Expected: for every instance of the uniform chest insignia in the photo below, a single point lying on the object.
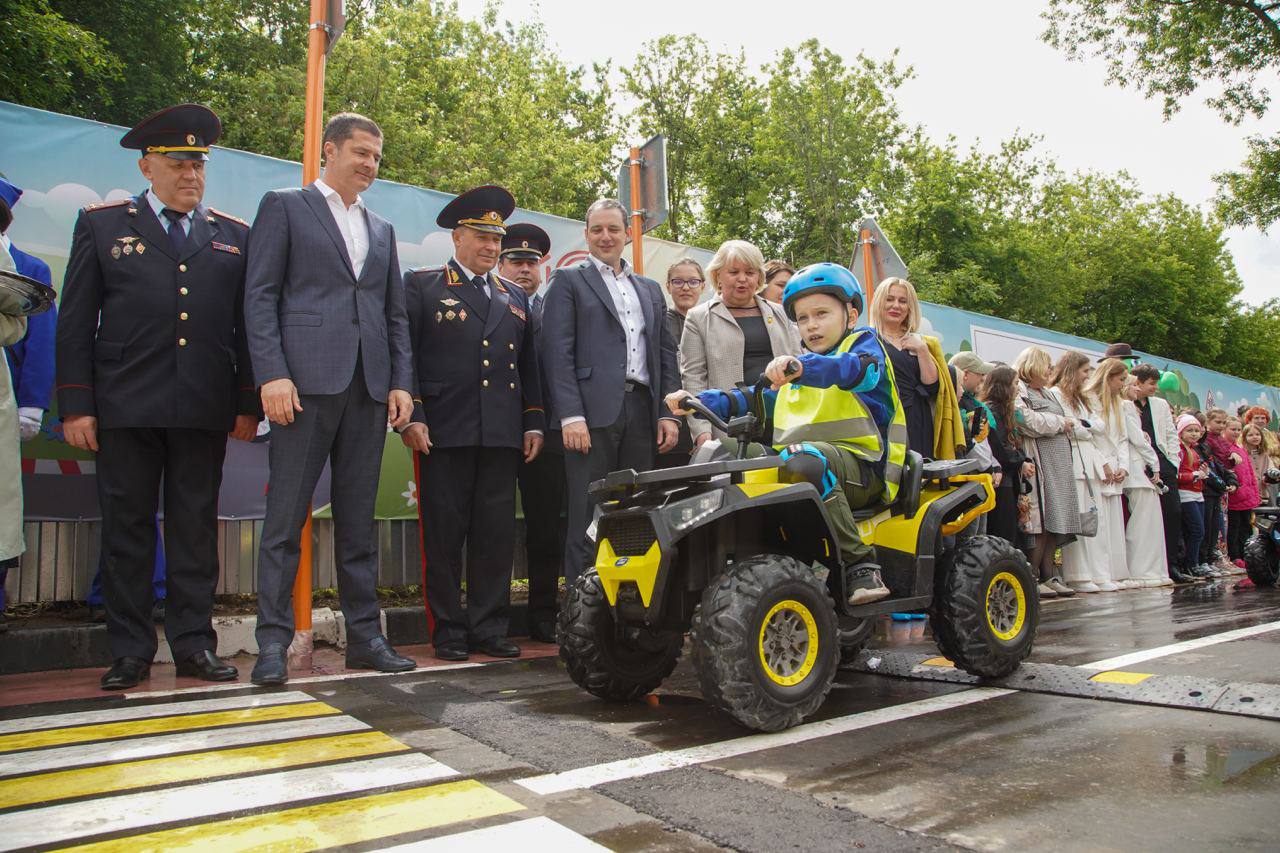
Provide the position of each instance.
(115, 252)
(449, 315)
(448, 303)
(128, 248)
(462, 315)
(223, 247)
(126, 239)
(142, 247)
(519, 312)
(439, 316)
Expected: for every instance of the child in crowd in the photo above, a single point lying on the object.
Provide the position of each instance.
(1244, 500)
(1216, 452)
(1254, 442)
(1192, 472)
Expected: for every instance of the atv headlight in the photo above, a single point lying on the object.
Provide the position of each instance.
(687, 513)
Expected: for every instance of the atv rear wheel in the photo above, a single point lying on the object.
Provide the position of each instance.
(765, 642)
(985, 609)
(616, 663)
(1261, 561)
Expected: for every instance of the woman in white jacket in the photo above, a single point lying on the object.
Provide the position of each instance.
(1103, 395)
(1087, 561)
(1144, 534)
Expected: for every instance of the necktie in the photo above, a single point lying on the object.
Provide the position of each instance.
(177, 236)
(478, 281)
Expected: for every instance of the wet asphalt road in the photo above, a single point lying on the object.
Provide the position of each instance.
(998, 771)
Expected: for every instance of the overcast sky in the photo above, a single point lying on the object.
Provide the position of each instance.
(982, 73)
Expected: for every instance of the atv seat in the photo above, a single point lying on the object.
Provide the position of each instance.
(908, 500)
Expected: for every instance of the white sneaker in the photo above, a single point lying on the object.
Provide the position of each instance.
(1152, 583)
(1046, 591)
(1128, 583)
(1085, 586)
(1108, 586)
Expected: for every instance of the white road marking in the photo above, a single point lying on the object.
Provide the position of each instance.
(144, 712)
(630, 768)
(1122, 661)
(658, 762)
(76, 755)
(535, 835)
(62, 823)
(311, 679)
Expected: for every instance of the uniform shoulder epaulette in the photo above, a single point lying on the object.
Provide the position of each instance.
(225, 215)
(437, 268)
(103, 205)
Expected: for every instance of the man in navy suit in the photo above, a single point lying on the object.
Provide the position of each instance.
(327, 328)
(610, 360)
(479, 413)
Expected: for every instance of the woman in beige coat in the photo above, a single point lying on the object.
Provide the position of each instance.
(733, 336)
(12, 328)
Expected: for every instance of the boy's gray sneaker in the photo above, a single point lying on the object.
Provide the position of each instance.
(862, 582)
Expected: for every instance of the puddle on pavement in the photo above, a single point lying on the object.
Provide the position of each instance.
(1233, 766)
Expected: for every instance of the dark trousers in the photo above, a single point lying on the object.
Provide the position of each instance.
(629, 442)
(349, 430)
(157, 578)
(131, 466)
(467, 497)
(542, 498)
(1212, 527)
(1192, 532)
(1171, 511)
(1239, 529)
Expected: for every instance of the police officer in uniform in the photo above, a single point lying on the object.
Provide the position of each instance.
(477, 412)
(541, 480)
(152, 374)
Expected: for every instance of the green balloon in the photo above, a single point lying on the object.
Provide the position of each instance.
(1169, 382)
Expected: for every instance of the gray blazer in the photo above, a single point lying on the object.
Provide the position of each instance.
(584, 346)
(712, 345)
(307, 316)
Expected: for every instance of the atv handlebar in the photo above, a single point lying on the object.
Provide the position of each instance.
(744, 427)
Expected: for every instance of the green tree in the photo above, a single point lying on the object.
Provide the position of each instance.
(48, 59)
(1170, 49)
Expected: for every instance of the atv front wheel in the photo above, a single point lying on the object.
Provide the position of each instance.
(854, 640)
(1261, 561)
(765, 642)
(985, 608)
(616, 663)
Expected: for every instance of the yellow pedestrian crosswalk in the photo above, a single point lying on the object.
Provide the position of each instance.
(280, 772)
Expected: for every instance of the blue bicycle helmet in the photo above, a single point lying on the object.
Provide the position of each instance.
(822, 278)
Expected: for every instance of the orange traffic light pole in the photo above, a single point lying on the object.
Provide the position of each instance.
(317, 44)
(637, 215)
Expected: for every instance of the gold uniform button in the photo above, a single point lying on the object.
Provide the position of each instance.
(513, 386)
(486, 343)
(182, 290)
(512, 365)
(182, 316)
(485, 383)
(182, 267)
(485, 362)
(511, 347)
(182, 342)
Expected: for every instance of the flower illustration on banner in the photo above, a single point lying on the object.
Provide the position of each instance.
(411, 494)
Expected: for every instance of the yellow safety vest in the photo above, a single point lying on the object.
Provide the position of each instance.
(802, 413)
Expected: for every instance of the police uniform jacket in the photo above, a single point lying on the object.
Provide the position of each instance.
(169, 350)
(476, 379)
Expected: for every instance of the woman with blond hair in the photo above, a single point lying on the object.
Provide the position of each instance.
(1104, 395)
(732, 337)
(930, 406)
(1045, 426)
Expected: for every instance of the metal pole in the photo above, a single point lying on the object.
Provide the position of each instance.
(637, 216)
(868, 279)
(317, 41)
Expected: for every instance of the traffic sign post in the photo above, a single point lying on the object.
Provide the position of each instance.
(642, 190)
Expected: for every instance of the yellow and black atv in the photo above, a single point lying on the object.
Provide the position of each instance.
(725, 549)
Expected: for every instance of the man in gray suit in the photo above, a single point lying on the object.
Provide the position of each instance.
(610, 360)
(325, 312)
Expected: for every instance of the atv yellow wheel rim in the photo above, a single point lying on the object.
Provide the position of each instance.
(788, 642)
(1006, 606)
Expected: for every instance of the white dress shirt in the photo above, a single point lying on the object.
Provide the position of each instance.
(471, 277)
(158, 206)
(625, 298)
(351, 223)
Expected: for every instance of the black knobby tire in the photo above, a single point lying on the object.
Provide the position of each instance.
(978, 573)
(1261, 561)
(854, 640)
(732, 649)
(616, 664)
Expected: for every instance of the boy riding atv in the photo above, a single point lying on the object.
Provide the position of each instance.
(838, 421)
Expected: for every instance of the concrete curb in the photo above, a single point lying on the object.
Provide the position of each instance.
(82, 646)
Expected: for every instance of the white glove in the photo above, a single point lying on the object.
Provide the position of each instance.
(29, 418)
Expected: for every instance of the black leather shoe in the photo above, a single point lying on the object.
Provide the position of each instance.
(207, 666)
(272, 666)
(452, 651)
(497, 647)
(543, 631)
(126, 673)
(378, 654)
(157, 612)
